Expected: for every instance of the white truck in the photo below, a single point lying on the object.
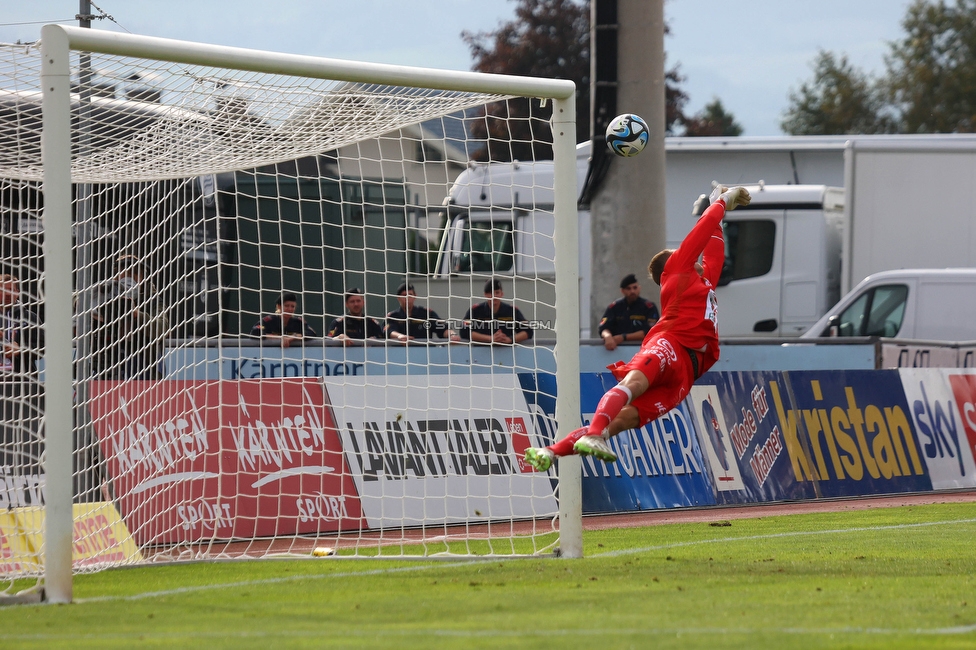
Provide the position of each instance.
(909, 199)
(906, 202)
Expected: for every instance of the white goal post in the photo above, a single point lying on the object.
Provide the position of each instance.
(65, 149)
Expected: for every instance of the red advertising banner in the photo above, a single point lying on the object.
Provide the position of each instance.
(520, 441)
(964, 389)
(198, 460)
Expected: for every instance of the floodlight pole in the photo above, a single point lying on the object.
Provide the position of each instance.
(56, 155)
(567, 320)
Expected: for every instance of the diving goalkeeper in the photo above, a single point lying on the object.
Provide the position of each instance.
(680, 347)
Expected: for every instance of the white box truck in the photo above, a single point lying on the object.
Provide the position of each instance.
(907, 202)
(782, 259)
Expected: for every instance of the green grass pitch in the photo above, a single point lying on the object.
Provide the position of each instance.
(884, 578)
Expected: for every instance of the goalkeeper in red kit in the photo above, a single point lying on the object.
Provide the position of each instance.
(675, 352)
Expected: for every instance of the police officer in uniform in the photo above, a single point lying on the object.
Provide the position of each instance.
(355, 325)
(283, 326)
(411, 321)
(495, 321)
(628, 318)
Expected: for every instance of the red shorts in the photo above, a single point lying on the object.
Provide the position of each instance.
(668, 370)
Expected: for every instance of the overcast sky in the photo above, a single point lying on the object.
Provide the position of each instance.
(749, 53)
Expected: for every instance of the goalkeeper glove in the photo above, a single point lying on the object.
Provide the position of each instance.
(717, 193)
(732, 198)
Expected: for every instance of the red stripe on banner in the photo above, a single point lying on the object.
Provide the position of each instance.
(964, 390)
(198, 460)
(520, 442)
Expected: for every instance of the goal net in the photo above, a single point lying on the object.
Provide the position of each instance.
(244, 227)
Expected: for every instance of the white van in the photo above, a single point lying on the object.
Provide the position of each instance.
(920, 304)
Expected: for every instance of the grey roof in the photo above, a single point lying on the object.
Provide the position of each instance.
(456, 129)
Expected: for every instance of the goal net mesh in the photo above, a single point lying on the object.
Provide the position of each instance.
(241, 386)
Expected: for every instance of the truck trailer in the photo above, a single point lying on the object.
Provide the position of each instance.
(827, 212)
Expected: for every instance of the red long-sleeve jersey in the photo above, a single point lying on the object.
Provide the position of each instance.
(688, 304)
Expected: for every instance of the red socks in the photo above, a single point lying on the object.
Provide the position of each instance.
(614, 400)
(564, 447)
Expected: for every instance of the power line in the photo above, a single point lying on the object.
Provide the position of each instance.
(41, 22)
(101, 16)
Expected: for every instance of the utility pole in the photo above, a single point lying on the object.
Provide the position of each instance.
(84, 13)
(628, 207)
(84, 437)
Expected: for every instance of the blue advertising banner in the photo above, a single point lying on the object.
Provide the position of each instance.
(851, 432)
(743, 438)
(803, 435)
(658, 466)
(539, 390)
(380, 358)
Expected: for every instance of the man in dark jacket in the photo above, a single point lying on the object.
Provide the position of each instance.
(495, 321)
(355, 325)
(411, 321)
(283, 325)
(628, 318)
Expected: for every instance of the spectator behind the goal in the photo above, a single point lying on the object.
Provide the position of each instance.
(411, 321)
(355, 326)
(22, 334)
(129, 328)
(21, 393)
(283, 327)
(628, 318)
(495, 321)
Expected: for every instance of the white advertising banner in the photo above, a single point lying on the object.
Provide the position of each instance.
(437, 449)
(719, 446)
(942, 405)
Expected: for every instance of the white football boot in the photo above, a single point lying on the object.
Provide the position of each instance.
(595, 446)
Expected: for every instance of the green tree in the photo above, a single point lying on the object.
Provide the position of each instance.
(712, 120)
(839, 100)
(932, 71)
(674, 98)
(547, 38)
